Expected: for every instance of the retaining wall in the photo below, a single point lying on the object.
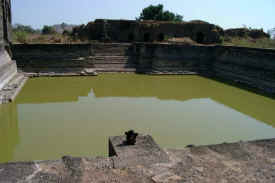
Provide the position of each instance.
(248, 66)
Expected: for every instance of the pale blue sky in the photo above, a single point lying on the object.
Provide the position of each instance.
(226, 13)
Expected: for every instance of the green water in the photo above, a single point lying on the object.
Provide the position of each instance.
(53, 117)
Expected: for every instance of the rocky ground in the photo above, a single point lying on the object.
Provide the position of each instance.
(237, 162)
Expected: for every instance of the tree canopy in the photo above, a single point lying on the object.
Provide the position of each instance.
(48, 30)
(23, 28)
(157, 13)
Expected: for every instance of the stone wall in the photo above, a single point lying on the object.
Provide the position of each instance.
(172, 58)
(7, 66)
(51, 56)
(73, 58)
(248, 66)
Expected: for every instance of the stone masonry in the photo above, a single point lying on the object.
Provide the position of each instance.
(250, 67)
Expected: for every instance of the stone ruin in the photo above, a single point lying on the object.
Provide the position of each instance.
(148, 31)
(245, 32)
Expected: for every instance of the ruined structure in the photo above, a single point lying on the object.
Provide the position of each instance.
(149, 31)
(245, 32)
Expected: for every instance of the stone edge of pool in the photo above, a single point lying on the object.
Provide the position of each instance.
(252, 161)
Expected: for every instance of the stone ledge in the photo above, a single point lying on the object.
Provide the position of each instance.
(241, 162)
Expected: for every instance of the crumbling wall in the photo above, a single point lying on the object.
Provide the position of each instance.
(149, 31)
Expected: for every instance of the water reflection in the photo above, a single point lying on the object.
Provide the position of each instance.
(180, 88)
(9, 133)
(75, 116)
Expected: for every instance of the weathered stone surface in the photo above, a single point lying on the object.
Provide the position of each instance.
(10, 90)
(145, 152)
(240, 162)
(16, 172)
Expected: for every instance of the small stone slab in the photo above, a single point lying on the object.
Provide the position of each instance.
(145, 152)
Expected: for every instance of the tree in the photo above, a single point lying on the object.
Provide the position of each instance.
(157, 13)
(23, 28)
(48, 30)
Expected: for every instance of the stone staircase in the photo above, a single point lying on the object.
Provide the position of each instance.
(12, 88)
(113, 58)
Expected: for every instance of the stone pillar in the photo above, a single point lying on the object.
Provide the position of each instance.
(7, 67)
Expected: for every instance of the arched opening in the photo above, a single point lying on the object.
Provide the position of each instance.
(200, 37)
(161, 37)
(131, 37)
(146, 37)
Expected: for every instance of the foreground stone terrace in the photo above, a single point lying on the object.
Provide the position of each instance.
(236, 162)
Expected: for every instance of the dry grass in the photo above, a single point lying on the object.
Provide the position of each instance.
(249, 42)
(43, 39)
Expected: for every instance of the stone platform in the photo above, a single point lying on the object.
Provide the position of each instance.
(252, 162)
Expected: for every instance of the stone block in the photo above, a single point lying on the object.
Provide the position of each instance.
(145, 152)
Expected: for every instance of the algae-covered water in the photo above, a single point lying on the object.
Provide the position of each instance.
(53, 117)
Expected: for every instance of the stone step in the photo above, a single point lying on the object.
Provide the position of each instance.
(16, 79)
(114, 65)
(111, 49)
(99, 70)
(111, 59)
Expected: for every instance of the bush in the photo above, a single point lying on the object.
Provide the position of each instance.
(20, 36)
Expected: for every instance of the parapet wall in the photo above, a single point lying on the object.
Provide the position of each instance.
(249, 66)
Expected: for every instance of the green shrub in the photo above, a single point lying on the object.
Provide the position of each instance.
(20, 36)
